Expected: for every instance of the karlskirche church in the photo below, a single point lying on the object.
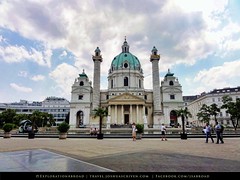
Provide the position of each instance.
(126, 99)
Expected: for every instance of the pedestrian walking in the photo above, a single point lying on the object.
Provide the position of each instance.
(221, 131)
(208, 133)
(163, 132)
(134, 131)
(218, 133)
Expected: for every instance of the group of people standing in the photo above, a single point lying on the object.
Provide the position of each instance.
(219, 132)
(207, 130)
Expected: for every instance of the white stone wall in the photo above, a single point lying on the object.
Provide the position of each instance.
(118, 79)
(73, 114)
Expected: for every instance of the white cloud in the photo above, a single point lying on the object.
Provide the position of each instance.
(64, 76)
(17, 54)
(2, 39)
(180, 28)
(64, 53)
(21, 88)
(183, 31)
(226, 75)
(38, 78)
(22, 73)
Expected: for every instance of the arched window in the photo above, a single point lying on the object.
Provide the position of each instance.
(126, 81)
(171, 83)
(80, 117)
(140, 83)
(173, 118)
(81, 83)
(125, 65)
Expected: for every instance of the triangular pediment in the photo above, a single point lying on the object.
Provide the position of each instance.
(126, 98)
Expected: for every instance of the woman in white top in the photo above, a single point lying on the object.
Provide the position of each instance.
(163, 131)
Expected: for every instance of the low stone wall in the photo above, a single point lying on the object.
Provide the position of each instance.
(49, 130)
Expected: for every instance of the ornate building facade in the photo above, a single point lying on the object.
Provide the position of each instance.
(126, 99)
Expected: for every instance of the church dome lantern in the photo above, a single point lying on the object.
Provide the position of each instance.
(125, 60)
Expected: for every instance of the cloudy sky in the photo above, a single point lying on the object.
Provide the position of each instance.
(45, 44)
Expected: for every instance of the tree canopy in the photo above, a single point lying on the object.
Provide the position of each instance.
(183, 113)
(232, 108)
(101, 113)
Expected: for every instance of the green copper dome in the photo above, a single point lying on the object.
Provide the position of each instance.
(125, 60)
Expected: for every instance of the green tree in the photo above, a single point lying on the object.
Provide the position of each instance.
(8, 115)
(214, 111)
(232, 108)
(206, 112)
(36, 118)
(183, 113)
(46, 118)
(41, 119)
(101, 113)
(63, 127)
(19, 117)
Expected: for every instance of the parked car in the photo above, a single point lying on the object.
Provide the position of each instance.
(25, 126)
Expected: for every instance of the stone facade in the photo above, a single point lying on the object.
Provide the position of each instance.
(126, 99)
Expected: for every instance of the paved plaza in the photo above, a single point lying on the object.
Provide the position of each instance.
(118, 155)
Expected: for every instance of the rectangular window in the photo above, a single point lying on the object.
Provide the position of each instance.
(172, 96)
(80, 97)
(221, 114)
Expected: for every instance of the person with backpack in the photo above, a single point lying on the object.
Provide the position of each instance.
(221, 131)
(218, 133)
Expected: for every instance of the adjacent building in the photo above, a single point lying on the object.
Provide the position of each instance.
(214, 96)
(58, 107)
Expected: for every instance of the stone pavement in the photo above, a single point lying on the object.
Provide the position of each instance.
(118, 155)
